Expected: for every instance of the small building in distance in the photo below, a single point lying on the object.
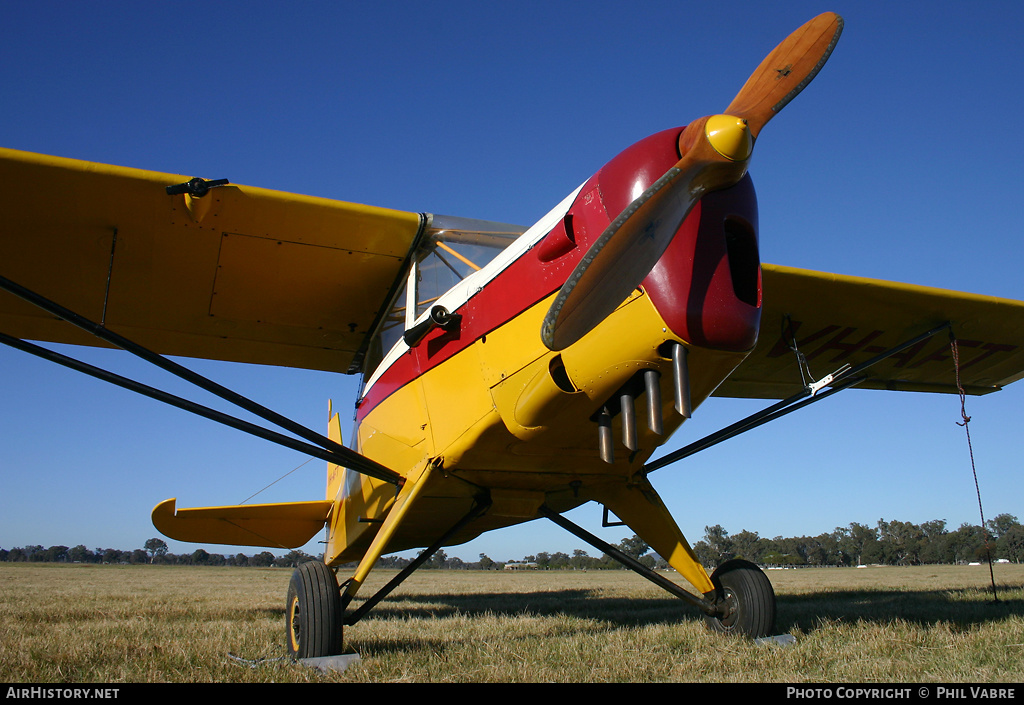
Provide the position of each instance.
(512, 565)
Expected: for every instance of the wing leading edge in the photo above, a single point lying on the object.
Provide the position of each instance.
(241, 274)
(832, 320)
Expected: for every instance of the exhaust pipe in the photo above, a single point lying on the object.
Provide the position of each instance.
(652, 387)
(628, 421)
(681, 373)
(605, 442)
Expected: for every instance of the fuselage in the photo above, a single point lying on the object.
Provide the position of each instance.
(500, 413)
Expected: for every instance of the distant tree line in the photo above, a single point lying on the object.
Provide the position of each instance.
(579, 560)
(155, 551)
(887, 543)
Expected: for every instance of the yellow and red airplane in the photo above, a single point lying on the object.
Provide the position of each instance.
(508, 373)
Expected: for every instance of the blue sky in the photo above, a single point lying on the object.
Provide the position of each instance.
(900, 161)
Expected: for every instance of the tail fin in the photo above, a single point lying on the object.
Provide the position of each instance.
(335, 473)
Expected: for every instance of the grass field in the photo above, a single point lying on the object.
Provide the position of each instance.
(108, 624)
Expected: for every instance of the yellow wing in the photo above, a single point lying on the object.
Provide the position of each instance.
(241, 274)
(836, 319)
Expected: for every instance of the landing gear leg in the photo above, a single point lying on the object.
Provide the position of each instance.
(745, 600)
(313, 613)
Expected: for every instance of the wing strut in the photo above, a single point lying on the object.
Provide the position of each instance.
(480, 506)
(324, 448)
(840, 380)
(579, 532)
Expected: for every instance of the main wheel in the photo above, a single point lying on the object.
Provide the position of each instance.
(313, 614)
(745, 599)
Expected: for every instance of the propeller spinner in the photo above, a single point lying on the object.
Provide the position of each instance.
(715, 153)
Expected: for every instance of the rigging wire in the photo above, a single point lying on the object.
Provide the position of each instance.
(275, 481)
(801, 359)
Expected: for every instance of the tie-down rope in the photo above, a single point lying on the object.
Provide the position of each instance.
(974, 470)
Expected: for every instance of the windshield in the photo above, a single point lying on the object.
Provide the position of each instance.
(453, 249)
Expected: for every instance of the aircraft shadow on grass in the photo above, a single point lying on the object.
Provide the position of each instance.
(804, 612)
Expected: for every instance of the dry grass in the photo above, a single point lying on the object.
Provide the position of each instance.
(109, 624)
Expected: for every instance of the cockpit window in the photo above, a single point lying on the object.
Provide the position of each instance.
(452, 254)
(452, 249)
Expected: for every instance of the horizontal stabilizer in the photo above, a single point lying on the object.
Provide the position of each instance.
(287, 525)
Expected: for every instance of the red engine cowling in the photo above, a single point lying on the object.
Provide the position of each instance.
(707, 285)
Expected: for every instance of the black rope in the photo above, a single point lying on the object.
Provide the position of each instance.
(970, 449)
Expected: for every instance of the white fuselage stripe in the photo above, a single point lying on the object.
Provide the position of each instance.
(462, 292)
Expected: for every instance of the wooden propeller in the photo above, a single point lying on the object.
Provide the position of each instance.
(715, 153)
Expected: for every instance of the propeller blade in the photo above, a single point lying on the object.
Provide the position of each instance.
(632, 244)
(715, 153)
(786, 71)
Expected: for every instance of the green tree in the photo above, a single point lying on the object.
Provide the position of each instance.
(438, 560)
(822, 549)
(111, 556)
(967, 543)
(794, 548)
(155, 547)
(634, 547)
(80, 554)
(1001, 525)
(934, 542)
(901, 541)
(706, 557)
(559, 560)
(720, 546)
(581, 560)
(293, 558)
(747, 545)
(56, 554)
(263, 559)
(1005, 532)
(860, 542)
(1011, 544)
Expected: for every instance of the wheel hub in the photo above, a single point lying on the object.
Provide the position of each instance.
(295, 632)
(728, 607)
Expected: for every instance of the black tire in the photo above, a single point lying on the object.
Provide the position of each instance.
(746, 600)
(313, 613)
